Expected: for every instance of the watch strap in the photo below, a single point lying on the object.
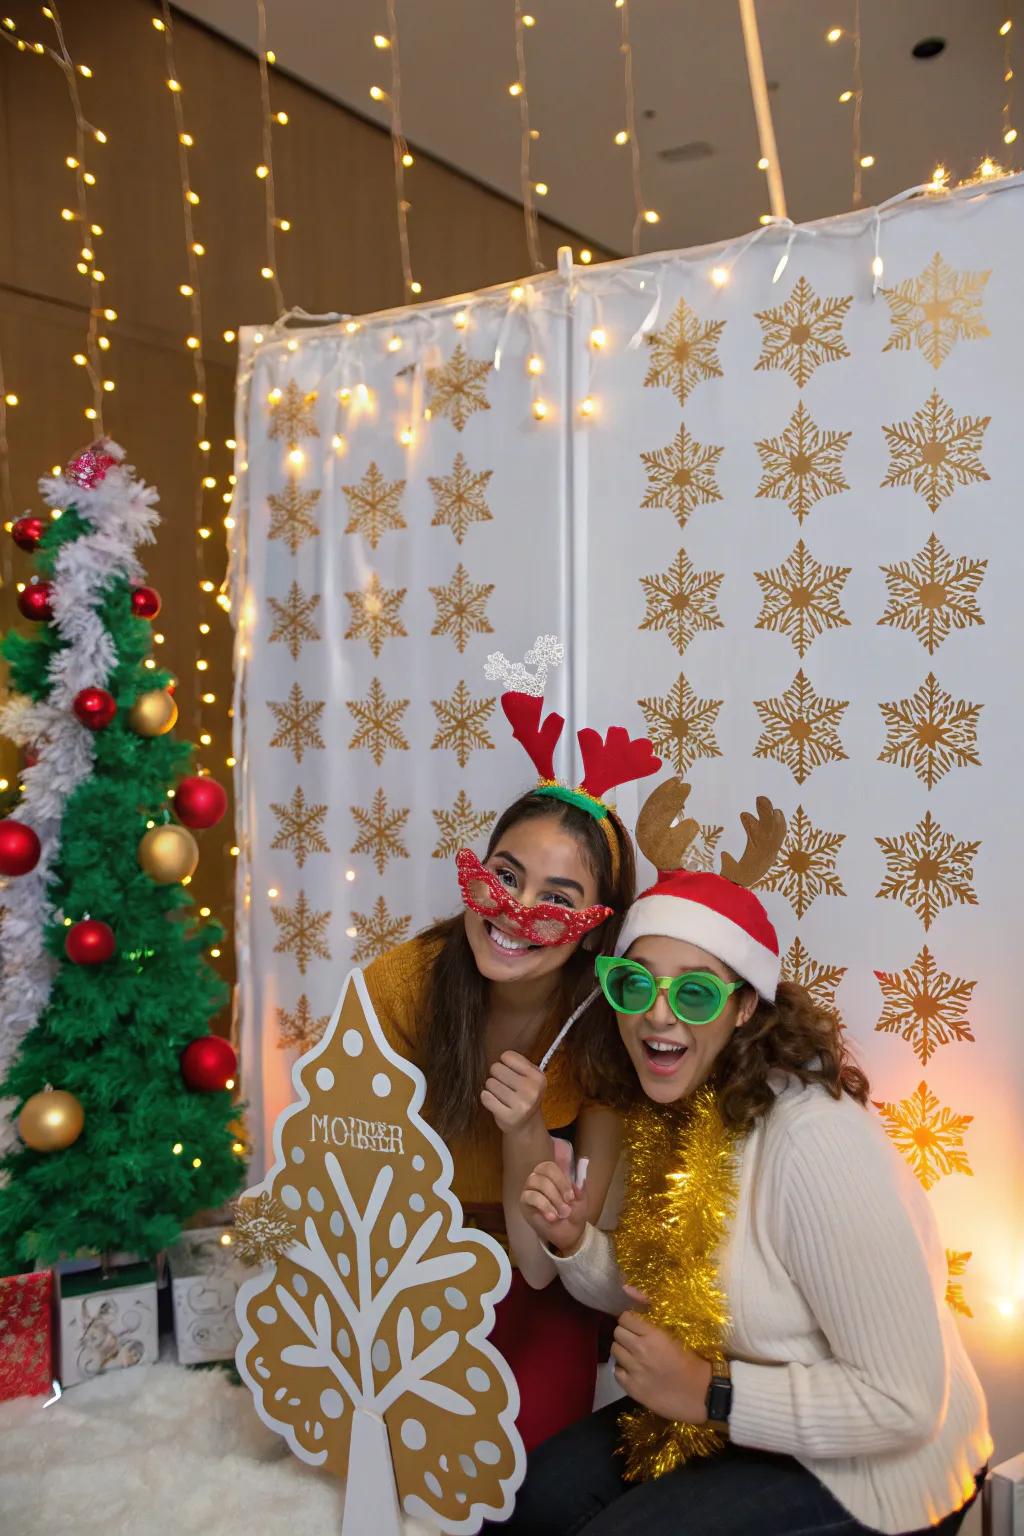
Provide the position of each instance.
(719, 1396)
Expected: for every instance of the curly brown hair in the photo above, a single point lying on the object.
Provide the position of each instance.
(793, 1035)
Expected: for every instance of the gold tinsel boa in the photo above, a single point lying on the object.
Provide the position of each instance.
(680, 1197)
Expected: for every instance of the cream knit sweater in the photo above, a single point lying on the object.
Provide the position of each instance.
(844, 1352)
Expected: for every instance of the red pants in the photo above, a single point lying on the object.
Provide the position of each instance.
(550, 1342)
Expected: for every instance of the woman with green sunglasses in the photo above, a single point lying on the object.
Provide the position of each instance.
(786, 1354)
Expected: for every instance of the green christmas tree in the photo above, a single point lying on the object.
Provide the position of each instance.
(110, 1032)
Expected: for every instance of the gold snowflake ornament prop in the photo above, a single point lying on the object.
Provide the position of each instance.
(806, 866)
(681, 476)
(681, 726)
(459, 499)
(300, 827)
(378, 723)
(801, 598)
(458, 390)
(462, 608)
(380, 831)
(803, 333)
(462, 724)
(930, 1136)
(299, 1029)
(933, 593)
(925, 1006)
(263, 1229)
(682, 601)
(685, 353)
(365, 1339)
(928, 870)
(377, 932)
(801, 728)
(293, 619)
(931, 732)
(301, 932)
(936, 310)
(936, 451)
(376, 613)
(803, 465)
(373, 505)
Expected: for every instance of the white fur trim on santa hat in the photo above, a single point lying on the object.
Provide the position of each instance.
(670, 917)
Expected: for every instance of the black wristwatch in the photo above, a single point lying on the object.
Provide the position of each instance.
(719, 1399)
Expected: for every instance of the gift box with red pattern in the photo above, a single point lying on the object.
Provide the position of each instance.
(26, 1335)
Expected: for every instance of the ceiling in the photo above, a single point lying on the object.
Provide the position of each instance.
(458, 59)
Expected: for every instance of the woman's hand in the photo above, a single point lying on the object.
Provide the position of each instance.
(513, 1092)
(554, 1206)
(659, 1372)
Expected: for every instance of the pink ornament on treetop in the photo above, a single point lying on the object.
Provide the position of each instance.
(90, 467)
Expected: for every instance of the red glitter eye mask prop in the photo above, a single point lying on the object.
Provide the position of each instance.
(547, 924)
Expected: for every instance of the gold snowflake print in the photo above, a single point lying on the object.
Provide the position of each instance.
(803, 333)
(377, 933)
(936, 451)
(378, 723)
(801, 598)
(381, 830)
(806, 866)
(298, 723)
(681, 476)
(928, 870)
(925, 1006)
(301, 932)
(462, 724)
(819, 981)
(682, 601)
(459, 498)
(936, 310)
(300, 1030)
(801, 728)
(458, 389)
(294, 619)
(681, 726)
(929, 1136)
(460, 827)
(700, 856)
(462, 608)
(291, 516)
(300, 828)
(373, 505)
(263, 1229)
(684, 353)
(933, 593)
(931, 732)
(804, 465)
(956, 1264)
(293, 414)
(376, 613)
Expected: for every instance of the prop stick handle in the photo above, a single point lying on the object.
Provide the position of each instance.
(762, 107)
(570, 1021)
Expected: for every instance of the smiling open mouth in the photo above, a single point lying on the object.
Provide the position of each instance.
(663, 1056)
(507, 944)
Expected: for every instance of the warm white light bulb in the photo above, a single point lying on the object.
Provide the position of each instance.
(719, 276)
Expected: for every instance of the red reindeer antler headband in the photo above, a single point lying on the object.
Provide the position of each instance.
(608, 761)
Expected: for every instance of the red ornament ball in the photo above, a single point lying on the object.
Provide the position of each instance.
(27, 532)
(200, 803)
(35, 601)
(145, 602)
(19, 848)
(31, 757)
(95, 708)
(209, 1064)
(90, 942)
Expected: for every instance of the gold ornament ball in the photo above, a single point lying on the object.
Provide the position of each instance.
(153, 713)
(168, 854)
(51, 1121)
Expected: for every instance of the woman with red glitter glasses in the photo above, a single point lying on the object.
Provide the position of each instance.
(476, 1000)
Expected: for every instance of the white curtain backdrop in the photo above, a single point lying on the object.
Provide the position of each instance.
(774, 514)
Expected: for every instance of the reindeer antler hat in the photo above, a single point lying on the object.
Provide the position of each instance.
(608, 761)
(718, 913)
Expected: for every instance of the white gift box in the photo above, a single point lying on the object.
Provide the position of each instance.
(205, 1276)
(106, 1322)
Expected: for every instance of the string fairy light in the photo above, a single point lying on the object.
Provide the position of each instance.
(641, 213)
(526, 182)
(265, 171)
(8, 401)
(400, 152)
(1006, 33)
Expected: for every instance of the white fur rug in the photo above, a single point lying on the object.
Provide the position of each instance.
(156, 1451)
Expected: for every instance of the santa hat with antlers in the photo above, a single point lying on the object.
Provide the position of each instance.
(608, 761)
(717, 913)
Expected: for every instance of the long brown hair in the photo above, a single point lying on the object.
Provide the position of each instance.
(457, 995)
(793, 1035)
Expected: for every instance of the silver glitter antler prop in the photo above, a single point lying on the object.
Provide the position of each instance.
(546, 652)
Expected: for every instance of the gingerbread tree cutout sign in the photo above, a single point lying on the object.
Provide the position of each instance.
(364, 1335)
